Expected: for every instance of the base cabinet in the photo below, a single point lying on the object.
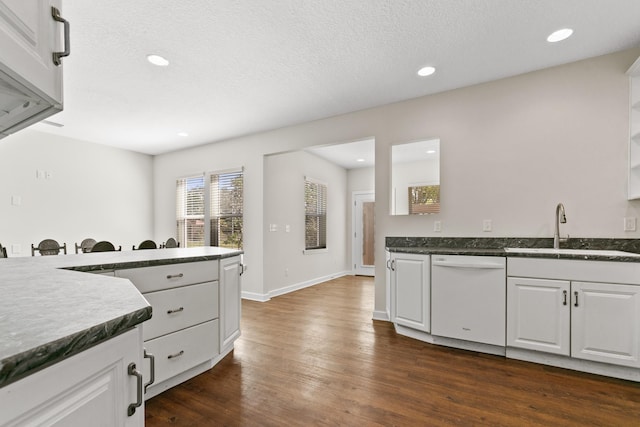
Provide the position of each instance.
(230, 302)
(410, 291)
(92, 388)
(196, 317)
(538, 315)
(605, 323)
(590, 321)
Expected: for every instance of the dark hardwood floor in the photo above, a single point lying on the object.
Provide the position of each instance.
(315, 358)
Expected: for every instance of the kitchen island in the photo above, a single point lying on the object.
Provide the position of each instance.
(52, 309)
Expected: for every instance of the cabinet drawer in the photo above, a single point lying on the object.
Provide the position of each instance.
(179, 308)
(182, 350)
(149, 279)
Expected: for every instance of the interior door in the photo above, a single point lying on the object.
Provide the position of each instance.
(363, 246)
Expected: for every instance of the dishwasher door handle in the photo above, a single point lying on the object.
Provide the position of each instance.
(453, 264)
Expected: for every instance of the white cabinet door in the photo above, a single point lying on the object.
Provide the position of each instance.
(538, 315)
(92, 388)
(230, 302)
(410, 291)
(605, 323)
(28, 37)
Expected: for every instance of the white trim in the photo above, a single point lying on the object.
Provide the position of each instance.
(381, 315)
(355, 253)
(306, 284)
(315, 251)
(253, 296)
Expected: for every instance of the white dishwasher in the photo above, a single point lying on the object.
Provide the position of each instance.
(468, 298)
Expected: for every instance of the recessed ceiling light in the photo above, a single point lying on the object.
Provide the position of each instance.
(426, 71)
(560, 35)
(360, 160)
(158, 60)
(183, 134)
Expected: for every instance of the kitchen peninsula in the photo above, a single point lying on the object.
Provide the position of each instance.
(53, 312)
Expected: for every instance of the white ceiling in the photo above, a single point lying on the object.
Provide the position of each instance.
(240, 67)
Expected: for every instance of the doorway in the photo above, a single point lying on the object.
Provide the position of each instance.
(363, 247)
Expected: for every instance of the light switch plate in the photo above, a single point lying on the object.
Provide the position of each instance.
(437, 226)
(630, 224)
(487, 225)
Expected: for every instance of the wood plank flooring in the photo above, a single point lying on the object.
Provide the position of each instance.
(315, 358)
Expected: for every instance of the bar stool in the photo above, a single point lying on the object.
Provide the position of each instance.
(85, 246)
(48, 247)
(147, 244)
(3, 252)
(105, 246)
(171, 243)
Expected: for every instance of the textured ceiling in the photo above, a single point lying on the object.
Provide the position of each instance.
(240, 67)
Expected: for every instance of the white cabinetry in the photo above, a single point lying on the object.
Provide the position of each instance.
(605, 323)
(634, 137)
(230, 300)
(183, 332)
(538, 314)
(196, 316)
(410, 291)
(90, 388)
(564, 314)
(30, 82)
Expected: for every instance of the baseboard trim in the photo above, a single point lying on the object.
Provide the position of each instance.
(306, 284)
(252, 296)
(381, 315)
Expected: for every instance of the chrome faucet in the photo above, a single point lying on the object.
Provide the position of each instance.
(560, 218)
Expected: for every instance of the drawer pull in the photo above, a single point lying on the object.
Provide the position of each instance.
(131, 370)
(175, 276)
(175, 310)
(173, 356)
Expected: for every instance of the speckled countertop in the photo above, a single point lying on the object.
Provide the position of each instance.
(51, 309)
(490, 246)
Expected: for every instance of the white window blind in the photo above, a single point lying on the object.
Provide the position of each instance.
(190, 211)
(315, 201)
(226, 191)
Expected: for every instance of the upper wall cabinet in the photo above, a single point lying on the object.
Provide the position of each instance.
(33, 38)
(634, 137)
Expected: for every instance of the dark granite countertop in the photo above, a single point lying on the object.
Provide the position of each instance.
(487, 246)
(51, 309)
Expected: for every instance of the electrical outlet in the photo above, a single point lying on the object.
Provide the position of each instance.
(273, 227)
(630, 224)
(437, 226)
(16, 200)
(486, 225)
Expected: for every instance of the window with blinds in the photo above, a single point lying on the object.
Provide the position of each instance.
(190, 211)
(209, 209)
(315, 220)
(226, 209)
(424, 199)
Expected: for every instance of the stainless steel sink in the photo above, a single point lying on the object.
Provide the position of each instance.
(579, 252)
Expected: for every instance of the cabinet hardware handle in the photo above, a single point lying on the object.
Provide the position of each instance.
(131, 370)
(241, 269)
(57, 56)
(152, 370)
(175, 276)
(576, 295)
(388, 264)
(393, 265)
(175, 310)
(564, 297)
(173, 356)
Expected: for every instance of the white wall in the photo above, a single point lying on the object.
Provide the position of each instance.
(285, 266)
(93, 191)
(510, 151)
